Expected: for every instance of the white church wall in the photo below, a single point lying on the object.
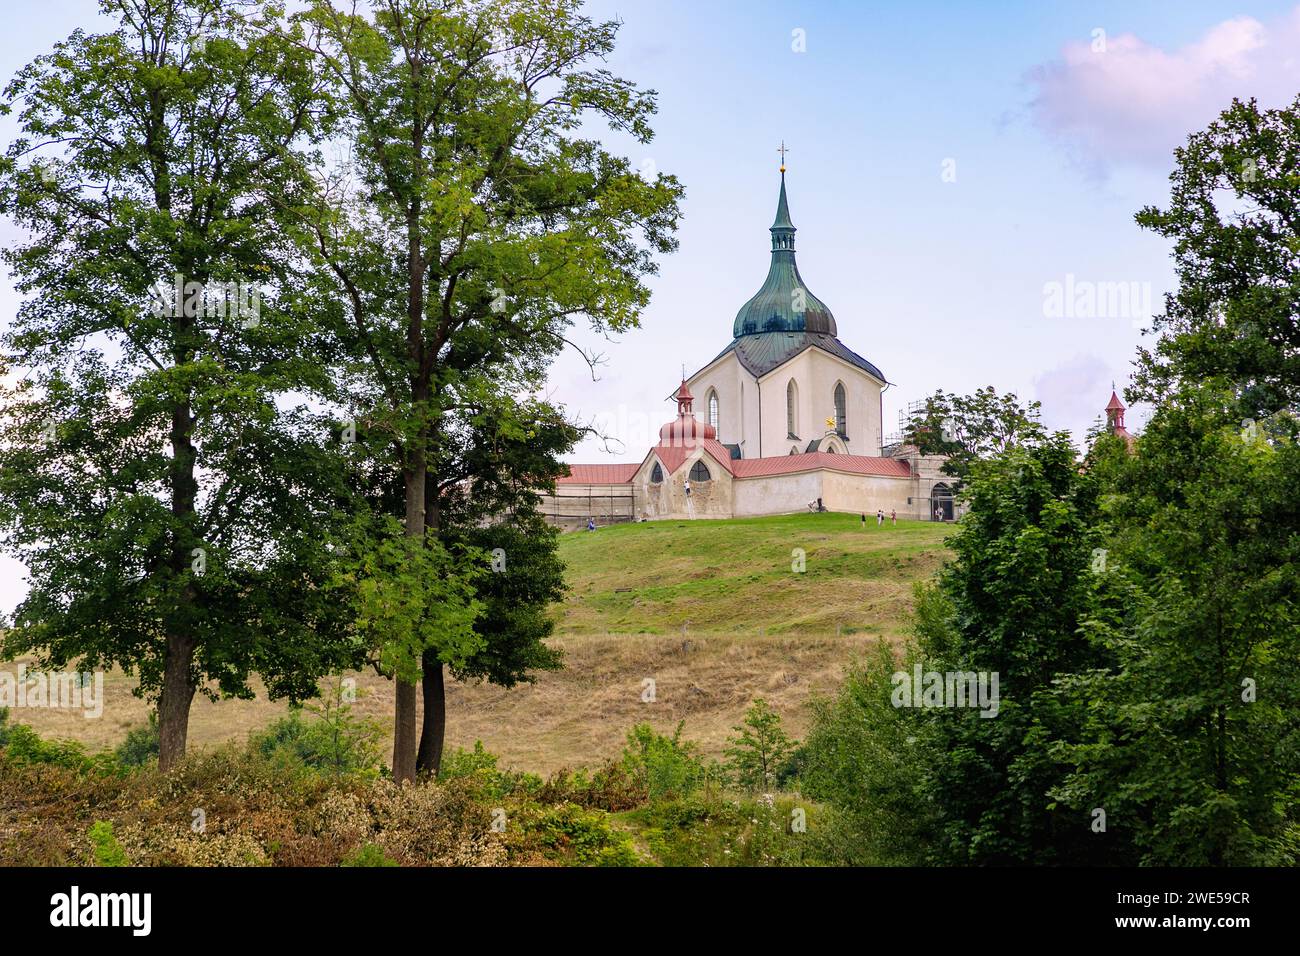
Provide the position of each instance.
(862, 400)
(733, 384)
(777, 494)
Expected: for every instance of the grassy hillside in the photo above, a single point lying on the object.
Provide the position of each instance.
(736, 577)
(753, 628)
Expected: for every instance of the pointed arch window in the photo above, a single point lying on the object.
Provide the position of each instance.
(792, 410)
(700, 472)
(841, 415)
(656, 474)
(712, 406)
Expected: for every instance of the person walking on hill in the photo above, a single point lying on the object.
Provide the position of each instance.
(893, 517)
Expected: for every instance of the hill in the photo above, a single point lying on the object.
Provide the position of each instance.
(711, 611)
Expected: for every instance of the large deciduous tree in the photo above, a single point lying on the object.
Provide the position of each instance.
(166, 497)
(1234, 218)
(471, 225)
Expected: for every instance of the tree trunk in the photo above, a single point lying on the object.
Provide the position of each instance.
(435, 716)
(404, 738)
(178, 661)
(174, 702)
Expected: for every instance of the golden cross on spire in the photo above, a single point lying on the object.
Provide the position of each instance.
(783, 150)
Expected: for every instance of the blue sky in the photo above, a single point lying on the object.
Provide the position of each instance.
(940, 284)
(1056, 144)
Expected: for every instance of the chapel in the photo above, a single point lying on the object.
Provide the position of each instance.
(785, 418)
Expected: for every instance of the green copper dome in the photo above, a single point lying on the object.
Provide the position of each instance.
(784, 303)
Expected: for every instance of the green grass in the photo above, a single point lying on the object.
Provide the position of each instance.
(736, 575)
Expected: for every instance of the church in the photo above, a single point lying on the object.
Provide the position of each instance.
(786, 418)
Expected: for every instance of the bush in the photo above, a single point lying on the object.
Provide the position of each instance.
(141, 744)
(368, 855)
(25, 747)
(757, 754)
(665, 767)
(107, 851)
(334, 741)
(576, 835)
(479, 768)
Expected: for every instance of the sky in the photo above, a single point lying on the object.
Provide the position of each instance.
(949, 163)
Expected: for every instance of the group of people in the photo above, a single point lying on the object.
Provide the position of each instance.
(880, 517)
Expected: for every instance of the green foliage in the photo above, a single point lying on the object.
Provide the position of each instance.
(368, 855)
(409, 595)
(479, 767)
(141, 744)
(665, 767)
(707, 830)
(334, 741)
(960, 787)
(106, 849)
(1189, 741)
(4, 726)
(161, 476)
(1232, 214)
(579, 836)
(968, 428)
(864, 758)
(760, 749)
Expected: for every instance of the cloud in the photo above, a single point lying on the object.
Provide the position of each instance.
(1074, 393)
(1132, 102)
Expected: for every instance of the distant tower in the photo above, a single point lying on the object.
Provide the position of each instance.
(1115, 419)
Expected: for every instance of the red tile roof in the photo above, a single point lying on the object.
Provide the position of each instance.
(789, 464)
(619, 474)
(674, 456)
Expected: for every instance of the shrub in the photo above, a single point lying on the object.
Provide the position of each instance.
(576, 835)
(107, 851)
(665, 767)
(368, 855)
(141, 744)
(479, 768)
(334, 741)
(762, 747)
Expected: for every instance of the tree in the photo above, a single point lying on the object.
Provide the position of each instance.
(1234, 218)
(491, 467)
(1190, 740)
(165, 494)
(759, 749)
(472, 226)
(967, 428)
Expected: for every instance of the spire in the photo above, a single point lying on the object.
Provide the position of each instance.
(783, 304)
(1114, 411)
(783, 229)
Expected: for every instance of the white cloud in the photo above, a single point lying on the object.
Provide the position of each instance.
(1134, 102)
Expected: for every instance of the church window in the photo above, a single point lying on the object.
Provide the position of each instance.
(841, 418)
(699, 472)
(656, 474)
(713, 409)
(791, 410)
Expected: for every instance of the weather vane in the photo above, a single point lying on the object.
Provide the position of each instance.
(783, 151)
